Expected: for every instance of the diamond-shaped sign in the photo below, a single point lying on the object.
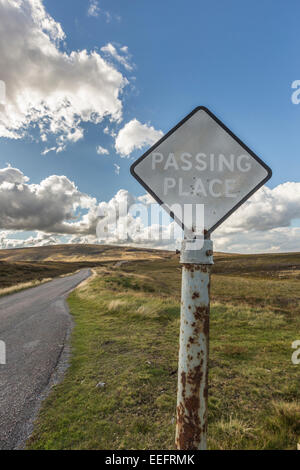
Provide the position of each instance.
(200, 162)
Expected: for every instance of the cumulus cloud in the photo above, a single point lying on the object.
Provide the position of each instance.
(283, 239)
(110, 49)
(263, 223)
(266, 209)
(102, 151)
(11, 175)
(135, 135)
(9, 240)
(47, 88)
(124, 220)
(56, 208)
(52, 206)
(58, 212)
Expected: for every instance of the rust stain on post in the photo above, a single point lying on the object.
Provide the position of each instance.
(191, 426)
(191, 410)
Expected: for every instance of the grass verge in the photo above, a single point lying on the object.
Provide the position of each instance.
(120, 389)
(22, 286)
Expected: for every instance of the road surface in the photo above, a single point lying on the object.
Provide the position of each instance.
(35, 325)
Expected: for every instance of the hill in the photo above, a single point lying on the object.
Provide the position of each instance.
(35, 264)
(25, 265)
(76, 253)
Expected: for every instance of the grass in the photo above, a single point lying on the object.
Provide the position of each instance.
(21, 286)
(126, 336)
(15, 274)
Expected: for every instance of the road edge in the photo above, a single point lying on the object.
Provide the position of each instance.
(58, 372)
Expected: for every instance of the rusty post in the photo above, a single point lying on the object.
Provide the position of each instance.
(191, 425)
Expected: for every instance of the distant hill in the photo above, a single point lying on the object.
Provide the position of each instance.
(80, 252)
(31, 264)
(23, 265)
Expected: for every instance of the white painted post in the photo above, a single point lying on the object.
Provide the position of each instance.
(191, 425)
(2, 353)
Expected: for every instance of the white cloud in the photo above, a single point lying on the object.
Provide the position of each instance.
(11, 175)
(283, 239)
(47, 87)
(111, 132)
(113, 217)
(48, 150)
(135, 135)
(55, 207)
(102, 151)
(263, 223)
(117, 169)
(242, 232)
(110, 49)
(94, 9)
(52, 206)
(7, 240)
(266, 209)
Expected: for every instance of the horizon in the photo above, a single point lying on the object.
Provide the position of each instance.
(141, 248)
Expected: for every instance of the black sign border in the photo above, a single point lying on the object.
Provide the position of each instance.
(205, 109)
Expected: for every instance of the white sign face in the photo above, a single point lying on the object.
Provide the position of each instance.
(200, 164)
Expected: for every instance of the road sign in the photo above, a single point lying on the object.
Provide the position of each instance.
(200, 162)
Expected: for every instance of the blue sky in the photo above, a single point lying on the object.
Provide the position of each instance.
(237, 58)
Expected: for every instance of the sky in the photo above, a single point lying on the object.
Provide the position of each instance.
(90, 85)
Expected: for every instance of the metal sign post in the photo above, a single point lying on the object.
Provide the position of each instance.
(198, 163)
(192, 394)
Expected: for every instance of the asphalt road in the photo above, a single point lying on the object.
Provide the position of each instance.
(35, 325)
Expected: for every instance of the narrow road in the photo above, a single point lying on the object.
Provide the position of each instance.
(35, 325)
